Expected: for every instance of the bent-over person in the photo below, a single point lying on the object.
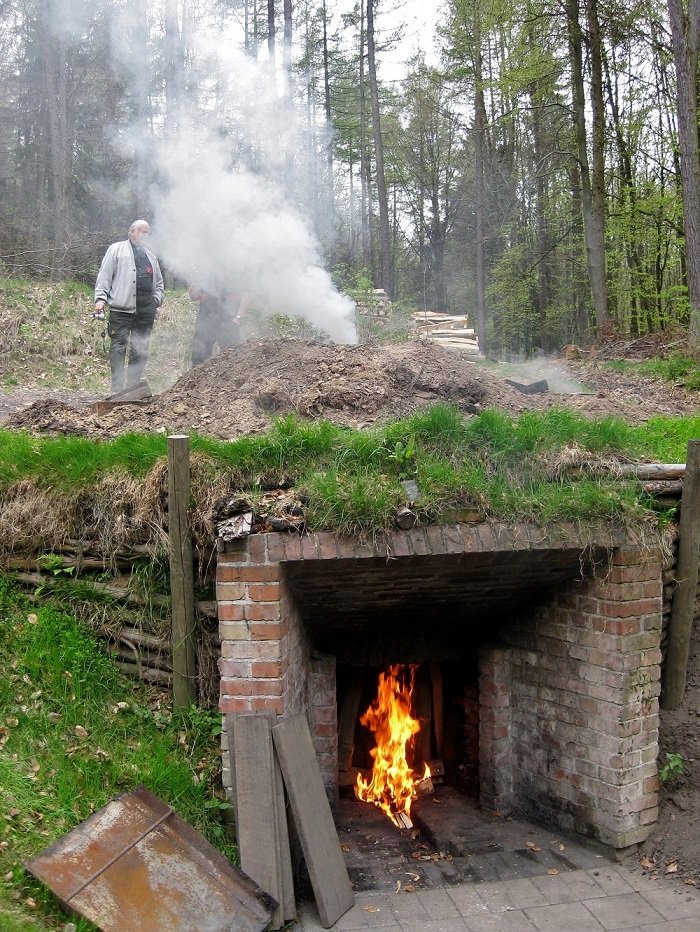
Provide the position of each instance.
(217, 322)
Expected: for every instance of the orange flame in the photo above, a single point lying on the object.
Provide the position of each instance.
(392, 785)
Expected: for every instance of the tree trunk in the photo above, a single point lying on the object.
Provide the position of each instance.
(365, 187)
(591, 181)
(685, 30)
(330, 188)
(480, 183)
(271, 34)
(287, 56)
(174, 66)
(138, 42)
(53, 55)
(383, 204)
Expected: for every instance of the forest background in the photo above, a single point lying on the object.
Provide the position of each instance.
(538, 172)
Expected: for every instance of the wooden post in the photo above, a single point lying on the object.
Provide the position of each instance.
(683, 610)
(436, 680)
(349, 714)
(181, 573)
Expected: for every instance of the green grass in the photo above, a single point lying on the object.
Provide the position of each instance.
(74, 734)
(677, 369)
(351, 480)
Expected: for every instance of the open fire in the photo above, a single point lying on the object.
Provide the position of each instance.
(392, 785)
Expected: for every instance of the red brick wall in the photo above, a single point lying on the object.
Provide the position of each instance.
(568, 697)
(569, 708)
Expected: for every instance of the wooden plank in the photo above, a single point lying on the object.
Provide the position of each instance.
(424, 713)
(349, 713)
(313, 819)
(181, 573)
(683, 608)
(288, 900)
(436, 682)
(263, 842)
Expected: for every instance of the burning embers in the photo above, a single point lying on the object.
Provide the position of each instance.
(392, 785)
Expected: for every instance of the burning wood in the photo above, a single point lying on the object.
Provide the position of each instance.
(392, 785)
(424, 786)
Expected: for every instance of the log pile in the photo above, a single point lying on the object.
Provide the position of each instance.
(141, 650)
(451, 330)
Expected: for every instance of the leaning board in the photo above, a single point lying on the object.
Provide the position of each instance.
(313, 819)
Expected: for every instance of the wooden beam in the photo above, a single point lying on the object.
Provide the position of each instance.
(436, 682)
(313, 819)
(181, 572)
(684, 596)
(649, 471)
(349, 714)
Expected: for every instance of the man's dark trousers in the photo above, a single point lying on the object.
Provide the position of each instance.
(130, 334)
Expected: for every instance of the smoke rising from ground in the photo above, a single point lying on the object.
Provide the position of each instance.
(558, 379)
(231, 174)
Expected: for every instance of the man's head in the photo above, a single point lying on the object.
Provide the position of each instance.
(138, 231)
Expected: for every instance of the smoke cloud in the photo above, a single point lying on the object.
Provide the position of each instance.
(228, 213)
(225, 228)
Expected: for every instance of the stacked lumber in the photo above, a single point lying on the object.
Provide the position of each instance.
(451, 330)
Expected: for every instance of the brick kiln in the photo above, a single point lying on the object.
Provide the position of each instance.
(538, 653)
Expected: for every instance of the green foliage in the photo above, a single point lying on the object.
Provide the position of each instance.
(514, 320)
(677, 368)
(672, 768)
(501, 461)
(53, 563)
(73, 462)
(404, 455)
(353, 504)
(15, 291)
(75, 734)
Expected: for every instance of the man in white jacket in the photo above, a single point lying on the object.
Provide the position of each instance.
(130, 285)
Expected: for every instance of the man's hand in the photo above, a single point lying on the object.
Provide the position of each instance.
(99, 310)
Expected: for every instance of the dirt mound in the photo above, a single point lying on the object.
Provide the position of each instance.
(242, 389)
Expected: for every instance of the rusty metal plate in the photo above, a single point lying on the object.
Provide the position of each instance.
(137, 865)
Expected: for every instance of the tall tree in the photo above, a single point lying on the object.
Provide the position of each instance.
(57, 137)
(685, 32)
(380, 179)
(592, 174)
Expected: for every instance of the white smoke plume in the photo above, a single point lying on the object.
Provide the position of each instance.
(225, 228)
(542, 367)
(222, 217)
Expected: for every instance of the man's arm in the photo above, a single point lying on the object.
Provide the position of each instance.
(158, 288)
(103, 284)
(243, 306)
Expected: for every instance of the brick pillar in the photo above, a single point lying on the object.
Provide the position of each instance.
(495, 740)
(323, 720)
(265, 650)
(254, 660)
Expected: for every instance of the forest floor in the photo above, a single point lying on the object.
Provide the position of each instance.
(241, 390)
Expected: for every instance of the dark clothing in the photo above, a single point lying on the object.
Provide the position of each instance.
(130, 331)
(214, 324)
(144, 273)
